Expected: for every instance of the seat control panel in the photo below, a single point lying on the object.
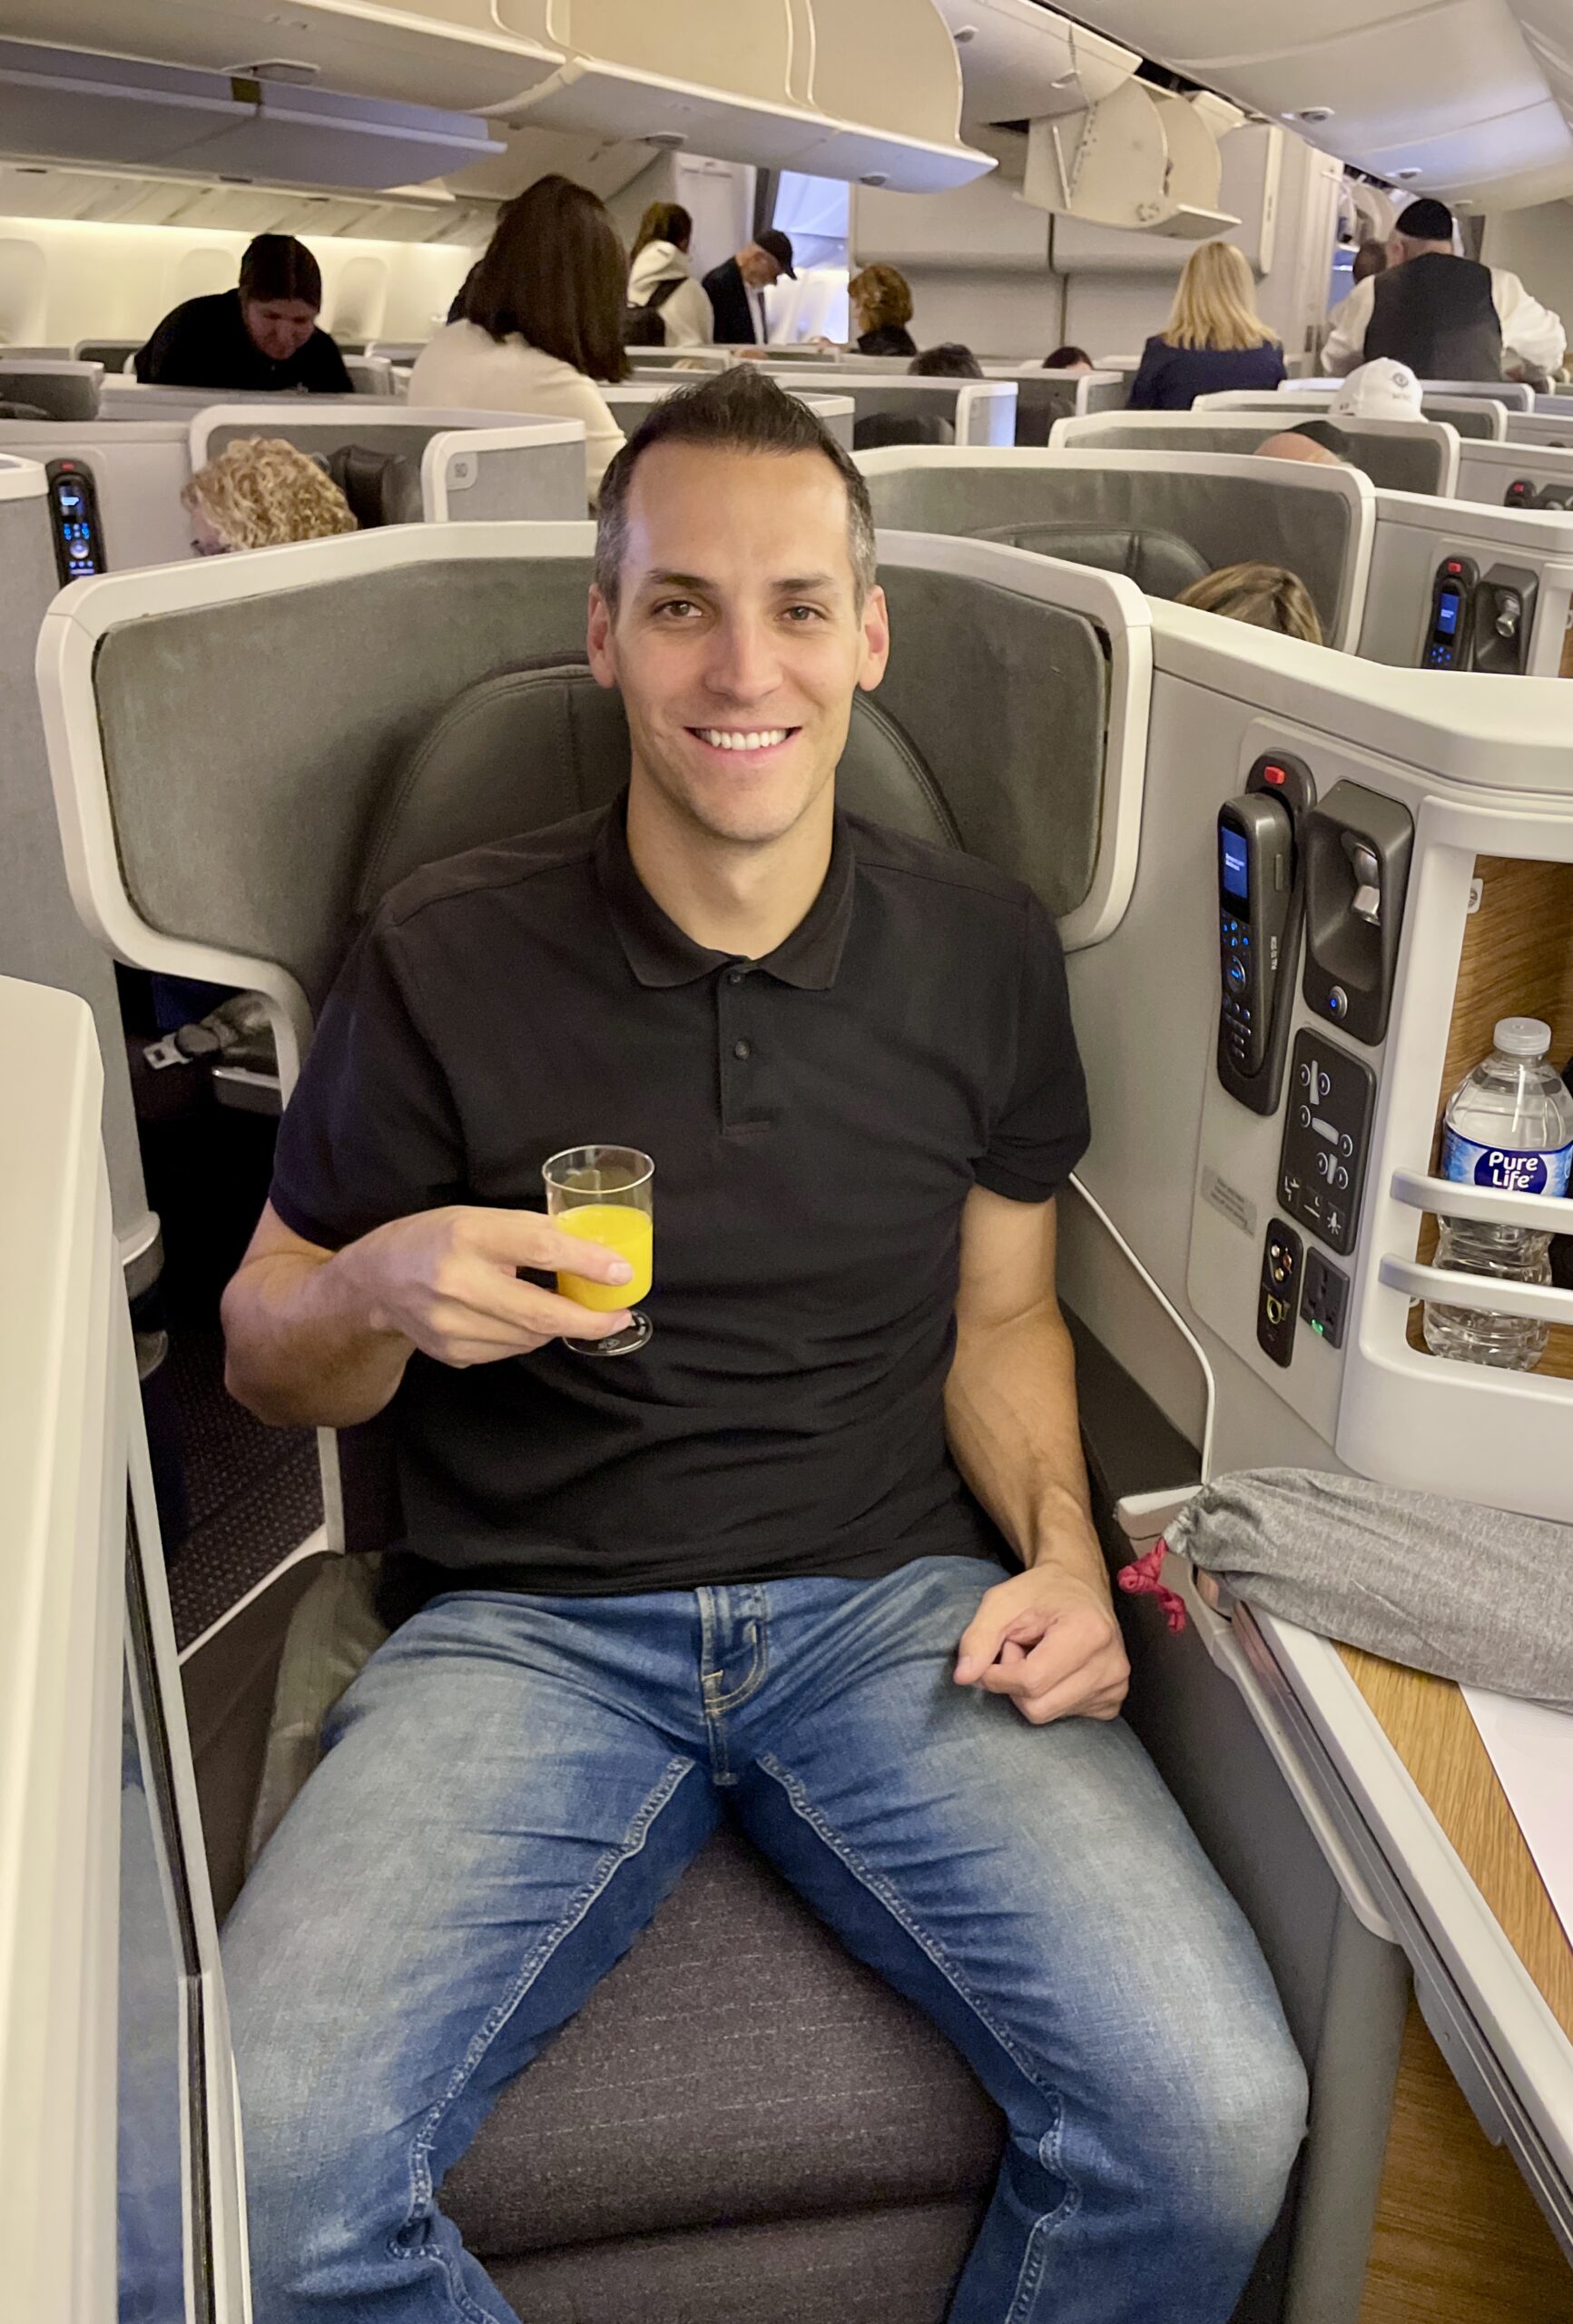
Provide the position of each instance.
(1326, 1138)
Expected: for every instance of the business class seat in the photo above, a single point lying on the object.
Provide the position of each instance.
(878, 429)
(743, 2125)
(381, 488)
(1161, 564)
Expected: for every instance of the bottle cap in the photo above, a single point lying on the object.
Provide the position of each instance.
(1522, 1036)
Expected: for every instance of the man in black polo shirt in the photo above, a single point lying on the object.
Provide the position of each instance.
(821, 1549)
(263, 335)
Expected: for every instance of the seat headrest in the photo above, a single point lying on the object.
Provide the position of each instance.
(878, 429)
(1161, 564)
(532, 745)
(381, 488)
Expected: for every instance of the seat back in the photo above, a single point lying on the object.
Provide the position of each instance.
(1161, 564)
(1397, 455)
(1232, 509)
(878, 427)
(64, 390)
(113, 354)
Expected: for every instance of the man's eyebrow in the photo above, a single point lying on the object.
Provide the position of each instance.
(663, 580)
(789, 586)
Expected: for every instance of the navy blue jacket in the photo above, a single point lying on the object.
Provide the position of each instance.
(1171, 378)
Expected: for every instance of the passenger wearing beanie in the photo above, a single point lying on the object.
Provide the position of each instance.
(261, 335)
(1445, 316)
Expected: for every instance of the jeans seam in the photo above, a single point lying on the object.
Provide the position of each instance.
(633, 1841)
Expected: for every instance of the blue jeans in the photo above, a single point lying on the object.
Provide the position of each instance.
(513, 1784)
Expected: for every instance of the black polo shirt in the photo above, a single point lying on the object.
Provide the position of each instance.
(817, 1119)
(205, 344)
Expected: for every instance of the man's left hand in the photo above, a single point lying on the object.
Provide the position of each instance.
(1049, 1639)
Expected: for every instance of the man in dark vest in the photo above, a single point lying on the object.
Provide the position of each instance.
(1446, 317)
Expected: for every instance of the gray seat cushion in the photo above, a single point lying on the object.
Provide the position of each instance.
(462, 785)
(1162, 564)
(381, 488)
(736, 2065)
(878, 428)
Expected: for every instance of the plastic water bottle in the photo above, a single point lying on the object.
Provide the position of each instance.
(1509, 1125)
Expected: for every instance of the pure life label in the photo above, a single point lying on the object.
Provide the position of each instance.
(1513, 1172)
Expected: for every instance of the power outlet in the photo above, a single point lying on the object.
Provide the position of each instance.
(1278, 1297)
(1325, 1300)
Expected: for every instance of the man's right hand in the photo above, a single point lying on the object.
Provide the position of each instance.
(447, 1282)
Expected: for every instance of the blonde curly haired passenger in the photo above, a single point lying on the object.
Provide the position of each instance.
(1268, 597)
(260, 492)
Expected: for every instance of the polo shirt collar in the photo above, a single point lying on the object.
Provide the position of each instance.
(660, 953)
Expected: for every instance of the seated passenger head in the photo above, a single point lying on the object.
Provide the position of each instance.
(1381, 389)
(1369, 259)
(1316, 440)
(280, 295)
(734, 606)
(1426, 225)
(948, 361)
(1068, 358)
(664, 221)
(1268, 597)
(765, 260)
(882, 300)
(556, 275)
(258, 493)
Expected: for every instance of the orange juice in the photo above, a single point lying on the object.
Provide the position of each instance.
(629, 1233)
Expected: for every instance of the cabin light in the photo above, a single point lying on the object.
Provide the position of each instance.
(1313, 114)
(963, 34)
(874, 177)
(1404, 176)
(669, 140)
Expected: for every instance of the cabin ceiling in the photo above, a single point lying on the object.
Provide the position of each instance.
(1466, 99)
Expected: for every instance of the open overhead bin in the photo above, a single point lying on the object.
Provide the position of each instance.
(60, 104)
(1142, 158)
(748, 80)
(457, 55)
(1021, 63)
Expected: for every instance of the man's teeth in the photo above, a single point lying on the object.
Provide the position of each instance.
(722, 739)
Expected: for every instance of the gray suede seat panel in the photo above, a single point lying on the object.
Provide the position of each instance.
(1230, 521)
(463, 787)
(409, 437)
(876, 429)
(1161, 564)
(1470, 423)
(1039, 404)
(235, 850)
(736, 2065)
(897, 2265)
(1395, 463)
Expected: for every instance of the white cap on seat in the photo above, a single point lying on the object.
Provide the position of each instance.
(1381, 390)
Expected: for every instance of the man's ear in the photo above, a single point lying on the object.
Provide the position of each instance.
(875, 628)
(598, 640)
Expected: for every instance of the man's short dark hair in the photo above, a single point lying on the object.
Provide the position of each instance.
(742, 410)
(276, 266)
(1324, 432)
(948, 361)
(1425, 221)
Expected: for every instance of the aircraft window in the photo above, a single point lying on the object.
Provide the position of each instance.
(162, 2104)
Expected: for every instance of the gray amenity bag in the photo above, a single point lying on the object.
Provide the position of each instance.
(1479, 1595)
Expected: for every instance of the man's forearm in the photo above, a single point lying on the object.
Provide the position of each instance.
(1011, 1418)
(299, 1351)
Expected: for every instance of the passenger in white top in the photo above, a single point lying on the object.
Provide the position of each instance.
(661, 281)
(543, 320)
(1424, 231)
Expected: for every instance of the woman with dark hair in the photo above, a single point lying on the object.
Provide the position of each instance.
(262, 334)
(542, 322)
(948, 361)
(673, 310)
(1068, 358)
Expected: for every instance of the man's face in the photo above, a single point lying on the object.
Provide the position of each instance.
(738, 642)
(279, 328)
(757, 267)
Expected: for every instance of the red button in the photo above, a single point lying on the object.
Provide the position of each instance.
(1273, 774)
(1453, 565)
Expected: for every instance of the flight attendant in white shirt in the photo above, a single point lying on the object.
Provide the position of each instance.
(1445, 316)
(541, 321)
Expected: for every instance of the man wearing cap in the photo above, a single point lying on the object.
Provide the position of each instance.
(1445, 316)
(262, 334)
(734, 288)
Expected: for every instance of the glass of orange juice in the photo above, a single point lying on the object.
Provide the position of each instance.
(606, 1194)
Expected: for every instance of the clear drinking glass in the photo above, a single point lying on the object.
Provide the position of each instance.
(606, 1195)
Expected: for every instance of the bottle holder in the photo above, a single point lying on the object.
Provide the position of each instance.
(1487, 1207)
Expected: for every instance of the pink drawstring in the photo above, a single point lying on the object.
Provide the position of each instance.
(1144, 1577)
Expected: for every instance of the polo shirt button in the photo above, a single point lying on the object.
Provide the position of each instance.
(742, 1051)
(735, 976)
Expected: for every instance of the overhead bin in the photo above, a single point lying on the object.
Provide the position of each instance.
(1023, 62)
(61, 104)
(463, 55)
(1140, 157)
(740, 80)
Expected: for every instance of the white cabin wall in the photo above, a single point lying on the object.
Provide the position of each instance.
(62, 280)
(976, 259)
(717, 195)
